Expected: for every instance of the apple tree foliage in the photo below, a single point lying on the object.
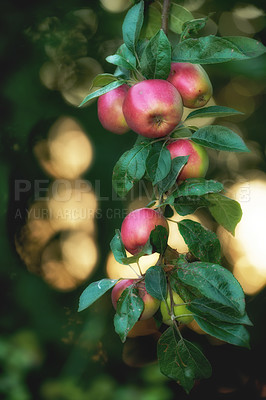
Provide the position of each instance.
(209, 290)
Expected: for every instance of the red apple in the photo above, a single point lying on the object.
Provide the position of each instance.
(110, 111)
(151, 305)
(137, 226)
(192, 82)
(153, 108)
(198, 161)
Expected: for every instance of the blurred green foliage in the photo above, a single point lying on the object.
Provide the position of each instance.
(47, 350)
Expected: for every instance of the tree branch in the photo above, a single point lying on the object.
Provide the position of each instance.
(165, 15)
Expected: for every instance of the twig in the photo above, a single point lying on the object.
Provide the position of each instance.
(139, 276)
(165, 15)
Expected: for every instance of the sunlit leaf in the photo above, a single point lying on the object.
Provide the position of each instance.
(94, 291)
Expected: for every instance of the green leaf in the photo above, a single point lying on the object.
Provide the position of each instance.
(182, 132)
(151, 204)
(214, 282)
(168, 211)
(132, 25)
(155, 282)
(146, 250)
(94, 291)
(231, 333)
(152, 20)
(178, 15)
(123, 58)
(202, 243)
(118, 247)
(193, 27)
(193, 128)
(205, 307)
(158, 163)
(141, 140)
(155, 62)
(186, 292)
(169, 181)
(198, 187)
(116, 59)
(129, 169)
(129, 309)
(220, 138)
(103, 80)
(158, 239)
(212, 49)
(213, 111)
(211, 310)
(247, 47)
(188, 205)
(181, 360)
(225, 211)
(141, 45)
(103, 90)
(122, 73)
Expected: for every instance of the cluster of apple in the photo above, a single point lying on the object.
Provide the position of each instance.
(135, 232)
(153, 108)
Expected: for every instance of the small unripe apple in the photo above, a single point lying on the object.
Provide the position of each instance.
(153, 108)
(110, 111)
(151, 305)
(137, 226)
(198, 160)
(192, 82)
(179, 310)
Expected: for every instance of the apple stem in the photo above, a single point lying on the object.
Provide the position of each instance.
(130, 266)
(165, 15)
(171, 310)
(172, 313)
(161, 209)
(160, 260)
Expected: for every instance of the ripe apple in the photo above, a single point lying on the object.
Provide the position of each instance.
(137, 226)
(178, 310)
(151, 305)
(198, 161)
(110, 111)
(196, 328)
(153, 108)
(192, 82)
(143, 328)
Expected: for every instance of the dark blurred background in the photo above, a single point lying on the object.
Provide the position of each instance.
(58, 212)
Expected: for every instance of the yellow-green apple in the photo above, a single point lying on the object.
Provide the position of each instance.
(151, 305)
(180, 310)
(192, 82)
(137, 226)
(198, 160)
(153, 108)
(110, 111)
